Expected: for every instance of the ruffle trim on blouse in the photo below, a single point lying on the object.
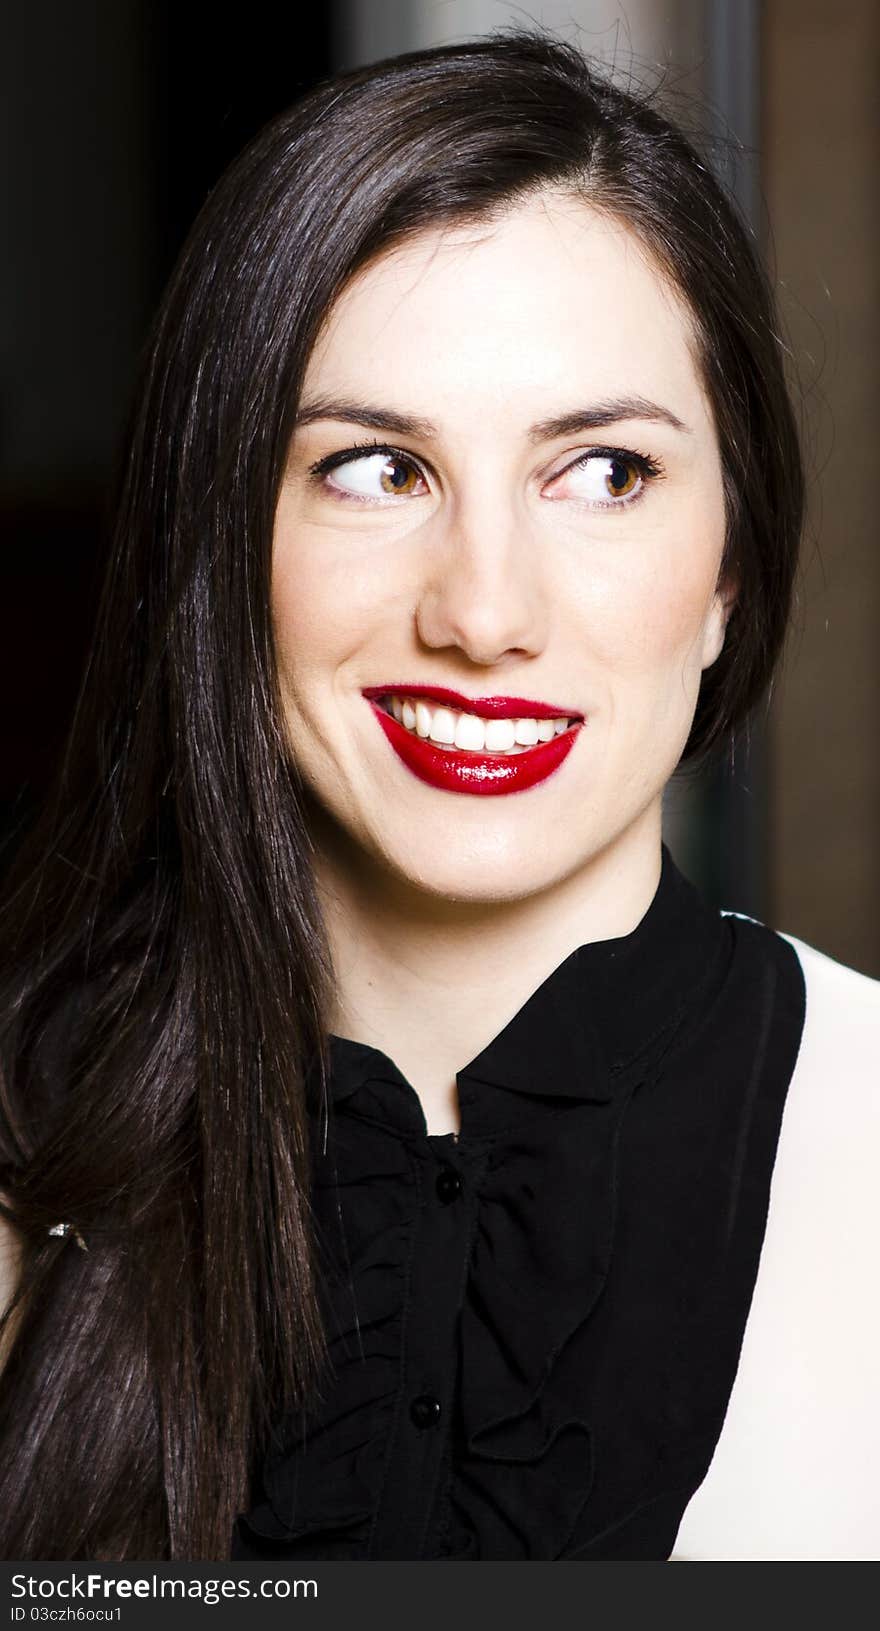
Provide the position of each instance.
(540, 1256)
(541, 1143)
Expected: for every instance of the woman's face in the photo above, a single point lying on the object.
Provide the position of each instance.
(543, 521)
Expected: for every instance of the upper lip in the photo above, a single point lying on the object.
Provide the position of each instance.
(489, 707)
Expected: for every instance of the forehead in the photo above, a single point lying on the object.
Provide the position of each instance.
(552, 299)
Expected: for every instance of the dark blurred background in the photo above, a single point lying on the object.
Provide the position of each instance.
(119, 116)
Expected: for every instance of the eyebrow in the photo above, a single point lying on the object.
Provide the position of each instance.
(596, 416)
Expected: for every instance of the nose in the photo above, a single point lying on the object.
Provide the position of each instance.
(484, 591)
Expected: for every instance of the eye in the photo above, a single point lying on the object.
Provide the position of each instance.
(607, 477)
(373, 474)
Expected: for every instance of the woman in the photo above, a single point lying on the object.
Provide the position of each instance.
(388, 1126)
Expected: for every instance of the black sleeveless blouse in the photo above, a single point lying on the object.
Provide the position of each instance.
(534, 1325)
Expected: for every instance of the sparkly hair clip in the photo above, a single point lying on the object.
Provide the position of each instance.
(66, 1229)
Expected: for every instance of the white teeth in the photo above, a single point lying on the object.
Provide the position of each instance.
(526, 732)
(467, 731)
(443, 727)
(470, 732)
(500, 735)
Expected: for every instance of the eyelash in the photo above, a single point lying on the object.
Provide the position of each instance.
(648, 467)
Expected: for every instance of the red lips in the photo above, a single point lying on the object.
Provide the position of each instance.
(460, 771)
(487, 707)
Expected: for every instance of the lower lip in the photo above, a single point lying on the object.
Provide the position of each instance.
(467, 772)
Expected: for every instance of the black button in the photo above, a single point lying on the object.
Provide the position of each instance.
(448, 1185)
(425, 1410)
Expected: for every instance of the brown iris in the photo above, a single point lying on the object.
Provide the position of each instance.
(398, 476)
(621, 478)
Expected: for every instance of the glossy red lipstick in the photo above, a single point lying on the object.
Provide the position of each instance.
(466, 771)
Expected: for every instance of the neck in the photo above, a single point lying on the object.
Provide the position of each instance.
(430, 980)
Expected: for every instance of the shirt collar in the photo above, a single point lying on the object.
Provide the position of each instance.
(608, 1006)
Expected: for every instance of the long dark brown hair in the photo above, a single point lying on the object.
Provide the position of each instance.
(166, 967)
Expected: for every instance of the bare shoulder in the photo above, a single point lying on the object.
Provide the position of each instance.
(793, 1475)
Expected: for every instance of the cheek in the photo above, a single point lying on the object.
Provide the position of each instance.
(337, 613)
(298, 617)
(316, 611)
(648, 621)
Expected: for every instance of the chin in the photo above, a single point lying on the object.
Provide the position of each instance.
(473, 881)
